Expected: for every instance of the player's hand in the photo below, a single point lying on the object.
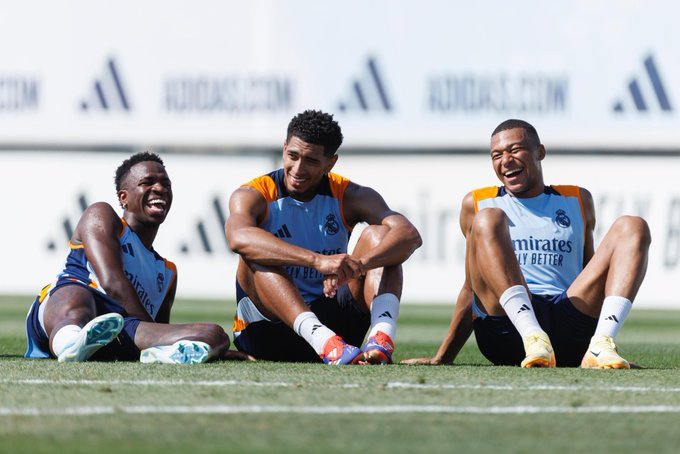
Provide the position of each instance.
(234, 355)
(330, 285)
(344, 266)
(338, 269)
(421, 361)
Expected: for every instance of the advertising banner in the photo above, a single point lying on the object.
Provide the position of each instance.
(47, 192)
(398, 75)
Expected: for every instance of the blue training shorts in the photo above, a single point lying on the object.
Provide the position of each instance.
(122, 348)
(569, 330)
(275, 341)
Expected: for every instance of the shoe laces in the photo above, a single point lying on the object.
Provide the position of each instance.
(383, 340)
(607, 342)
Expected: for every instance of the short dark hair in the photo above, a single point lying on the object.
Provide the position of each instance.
(318, 128)
(513, 124)
(124, 169)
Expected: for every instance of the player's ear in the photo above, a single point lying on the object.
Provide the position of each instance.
(541, 152)
(331, 163)
(123, 198)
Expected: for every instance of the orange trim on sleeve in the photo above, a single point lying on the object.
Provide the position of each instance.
(484, 193)
(338, 184)
(73, 245)
(572, 191)
(122, 229)
(172, 267)
(266, 186)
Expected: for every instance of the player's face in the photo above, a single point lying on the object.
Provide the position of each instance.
(304, 164)
(147, 193)
(517, 162)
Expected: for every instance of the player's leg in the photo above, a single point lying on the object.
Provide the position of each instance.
(75, 330)
(378, 292)
(181, 343)
(273, 293)
(499, 286)
(607, 286)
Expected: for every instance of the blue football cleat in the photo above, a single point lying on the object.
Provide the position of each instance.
(338, 352)
(378, 349)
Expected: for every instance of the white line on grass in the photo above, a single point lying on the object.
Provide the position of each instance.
(396, 385)
(364, 409)
(41, 381)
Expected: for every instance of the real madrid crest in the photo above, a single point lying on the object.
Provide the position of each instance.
(331, 227)
(561, 219)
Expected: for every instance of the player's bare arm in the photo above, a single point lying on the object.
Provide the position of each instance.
(98, 231)
(247, 209)
(458, 333)
(589, 209)
(363, 204)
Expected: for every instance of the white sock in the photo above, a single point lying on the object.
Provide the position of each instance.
(384, 313)
(64, 337)
(614, 311)
(308, 327)
(517, 305)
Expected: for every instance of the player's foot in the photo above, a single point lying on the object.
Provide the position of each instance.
(378, 349)
(539, 351)
(98, 332)
(337, 352)
(181, 352)
(603, 354)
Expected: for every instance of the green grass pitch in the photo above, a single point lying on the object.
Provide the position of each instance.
(299, 408)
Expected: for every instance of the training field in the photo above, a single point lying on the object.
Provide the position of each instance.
(271, 407)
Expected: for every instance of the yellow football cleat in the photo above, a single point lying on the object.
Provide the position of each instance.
(603, 354)
(539, 351)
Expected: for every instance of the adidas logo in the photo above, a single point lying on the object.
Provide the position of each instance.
(127, 248)
(334, 354)
(283, 232)
(524, 308)
(68, 226)
(612, 318)
(107, 93)
(368, 92)
(385, 314)
(210, 232)
(644, 88)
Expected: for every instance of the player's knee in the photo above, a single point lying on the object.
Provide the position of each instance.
(373, 235)
(213, 335)
(488, 220)
(633, 228)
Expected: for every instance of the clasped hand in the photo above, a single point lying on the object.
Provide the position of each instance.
(338, 269)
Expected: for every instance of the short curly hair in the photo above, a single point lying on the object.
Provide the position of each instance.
(318, 128)
(124, 169)
(518, 124)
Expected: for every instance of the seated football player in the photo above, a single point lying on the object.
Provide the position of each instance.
(112, 300)
(537, 292)
(300, 295)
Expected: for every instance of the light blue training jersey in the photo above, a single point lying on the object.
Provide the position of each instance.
(151, 275)
(317, 224)
(547, 232)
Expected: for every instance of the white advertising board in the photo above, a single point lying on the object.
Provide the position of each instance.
(432, 73)
(46, 193)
